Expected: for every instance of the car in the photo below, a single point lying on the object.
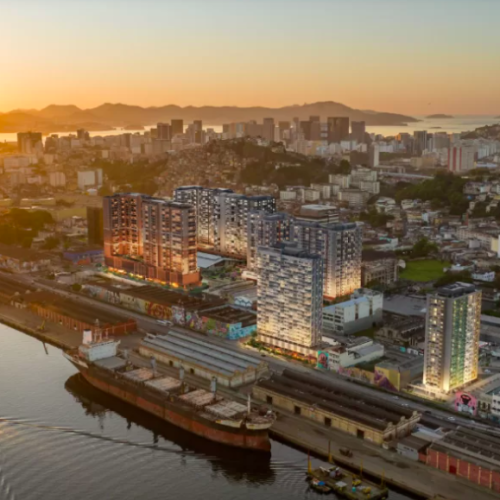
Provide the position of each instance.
(451, 419)
(427, 412)
(395, 397)
(404, 404)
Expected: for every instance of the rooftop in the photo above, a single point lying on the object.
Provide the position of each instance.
(325, 394)
(23, 254)
(199, 352)
(455, 290)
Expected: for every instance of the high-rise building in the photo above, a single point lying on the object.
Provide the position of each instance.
(289, 298)
(231, 221)
(358, 131)
(340, 246)
(204, 201)
(419, 142)
(461, 158)
(374, 155)
(338, 129)
(177, 127)
(452, 337)
(30, 143)
(198, 131)
(164, 132)
(305, 129)
(95, 226)
(284, 129)
(267, 230)
(151, 237)
(268, 129)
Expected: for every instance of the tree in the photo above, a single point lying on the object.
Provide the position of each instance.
(50, 243)
(76, 287)
(423, 247)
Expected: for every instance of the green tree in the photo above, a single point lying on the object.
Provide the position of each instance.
(423, 247)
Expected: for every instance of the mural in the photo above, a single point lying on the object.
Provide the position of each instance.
(466, 403)
(323, 360)
(358, 374)
(158, 311)
(387, 379)
(103, 294)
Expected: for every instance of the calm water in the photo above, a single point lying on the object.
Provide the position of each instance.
(452, 125)
(60, 439)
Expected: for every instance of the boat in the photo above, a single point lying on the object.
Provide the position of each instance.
(203, 413)
(345, 484)
(320, 486)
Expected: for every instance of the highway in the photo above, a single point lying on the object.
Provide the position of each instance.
(431, 415)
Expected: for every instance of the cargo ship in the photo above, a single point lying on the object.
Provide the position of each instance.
(201, 412)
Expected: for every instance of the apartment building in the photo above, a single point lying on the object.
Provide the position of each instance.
(290, 298)
(452, 337)
(151, 237)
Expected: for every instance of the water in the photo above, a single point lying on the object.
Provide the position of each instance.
(60, 439)
(450, 125)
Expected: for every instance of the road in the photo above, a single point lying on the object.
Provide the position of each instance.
(431, 415)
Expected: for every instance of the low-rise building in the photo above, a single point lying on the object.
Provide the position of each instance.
(379, 267)
(203, 359)
(324, 401)
(22, 260)
(361, 312)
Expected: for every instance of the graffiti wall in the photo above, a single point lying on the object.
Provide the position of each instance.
(466, 403)
(387, 379)
(323, 360)
(102, 294)
(358, 374)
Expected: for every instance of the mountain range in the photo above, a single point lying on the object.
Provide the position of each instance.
(57, 118)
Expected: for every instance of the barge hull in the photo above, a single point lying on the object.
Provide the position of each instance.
(189, 421)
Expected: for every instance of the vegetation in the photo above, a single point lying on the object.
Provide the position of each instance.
(76, 287)
(422, 248)
(374, 218)
(50, 243)
(423, 270)
(445, 189)
(19, 227)
(453, 277)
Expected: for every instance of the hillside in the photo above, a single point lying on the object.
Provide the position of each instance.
(54, 117)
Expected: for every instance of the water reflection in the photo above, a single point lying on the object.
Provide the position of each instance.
(237, 465)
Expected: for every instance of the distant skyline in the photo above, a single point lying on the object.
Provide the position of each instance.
(401, 56)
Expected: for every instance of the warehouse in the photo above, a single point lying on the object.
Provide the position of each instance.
(468, 454)
(203, 359)
(73, 315)
(335, 407)
(22, 260)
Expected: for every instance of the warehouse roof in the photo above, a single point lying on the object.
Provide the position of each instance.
(22, 254)
(317, 392)
(199, 352)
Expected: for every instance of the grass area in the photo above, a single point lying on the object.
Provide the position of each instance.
(423, 270)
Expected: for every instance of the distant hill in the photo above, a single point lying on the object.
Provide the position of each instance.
(55, 117)
(439, 116)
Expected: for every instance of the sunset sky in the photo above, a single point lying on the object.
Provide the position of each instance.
(407, 56)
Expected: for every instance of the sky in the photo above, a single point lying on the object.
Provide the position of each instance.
(404, 56)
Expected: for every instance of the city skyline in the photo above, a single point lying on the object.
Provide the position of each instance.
(398, 58)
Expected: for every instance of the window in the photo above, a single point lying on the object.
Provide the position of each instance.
(191, 371)
(296, 410)
(328, 422)
(269, 400)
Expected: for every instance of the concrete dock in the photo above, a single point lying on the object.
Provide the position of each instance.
(396, 470)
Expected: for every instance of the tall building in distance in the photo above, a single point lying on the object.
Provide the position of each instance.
(358, 131)
(289, 298)
(151, 237)
(177, 127)
(461, 158)
(340, 247)
(164, 132)
(268, 230)
(419, 142)
(268, 129)
(452, 337)
(95, 231)
(374, 155)
(338, 129)
(30, 143)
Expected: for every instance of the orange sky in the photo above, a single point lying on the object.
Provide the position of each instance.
(407, 57)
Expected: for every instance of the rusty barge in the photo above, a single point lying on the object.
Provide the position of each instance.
(201, 412)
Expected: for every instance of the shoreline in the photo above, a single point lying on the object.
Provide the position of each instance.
(309, 437)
